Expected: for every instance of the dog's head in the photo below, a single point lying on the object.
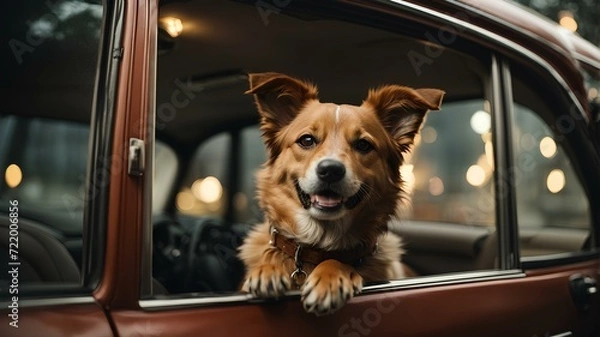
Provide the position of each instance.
(334, 167)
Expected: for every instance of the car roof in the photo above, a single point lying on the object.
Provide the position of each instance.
(565, 51)
(525, 21)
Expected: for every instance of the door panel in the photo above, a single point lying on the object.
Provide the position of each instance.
(538, 304)
(57, 321)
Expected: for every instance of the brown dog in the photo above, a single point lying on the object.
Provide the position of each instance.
(328, 189)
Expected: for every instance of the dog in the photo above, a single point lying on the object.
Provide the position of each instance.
(329, 186)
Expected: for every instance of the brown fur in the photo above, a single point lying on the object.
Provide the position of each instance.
(388, 119)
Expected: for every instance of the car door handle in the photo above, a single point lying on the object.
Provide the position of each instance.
(582, 289)
(136, 159)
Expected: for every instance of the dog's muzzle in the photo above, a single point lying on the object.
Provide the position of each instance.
(328, 200)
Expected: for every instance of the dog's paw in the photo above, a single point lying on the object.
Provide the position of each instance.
(329, 287)
(267, 281)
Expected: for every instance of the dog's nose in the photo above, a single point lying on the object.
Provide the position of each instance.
(330, 170)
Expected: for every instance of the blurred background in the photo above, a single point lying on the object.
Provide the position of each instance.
(580, 16)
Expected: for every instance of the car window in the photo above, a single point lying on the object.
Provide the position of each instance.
(165, 172)
(553, 210)
(451, 169)
(213, 125)
(253, 156)
(48, 77)
(47, 172)
(207, 181)
(448, 174)
(205, 187)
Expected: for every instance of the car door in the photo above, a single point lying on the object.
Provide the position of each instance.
(548, 295)
(54, 127)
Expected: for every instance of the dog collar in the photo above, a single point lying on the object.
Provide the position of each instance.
(307, 254)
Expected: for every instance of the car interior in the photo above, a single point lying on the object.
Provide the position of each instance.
(208, 143)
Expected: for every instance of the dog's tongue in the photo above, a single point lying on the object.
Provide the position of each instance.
(326, 200)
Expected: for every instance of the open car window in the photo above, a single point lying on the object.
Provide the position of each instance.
(449, 174)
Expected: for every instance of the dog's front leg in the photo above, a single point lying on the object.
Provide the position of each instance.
(330, 285)
(269, 278)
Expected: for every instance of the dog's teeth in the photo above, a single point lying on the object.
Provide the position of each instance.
(328, 201)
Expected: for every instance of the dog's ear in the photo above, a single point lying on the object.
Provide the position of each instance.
(402, 110)
(279, 99)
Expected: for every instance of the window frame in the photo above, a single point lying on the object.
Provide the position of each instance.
(101, 143)
(500, 93)
(492, 92)
(98, 158)
(508, 235)
(566, 98)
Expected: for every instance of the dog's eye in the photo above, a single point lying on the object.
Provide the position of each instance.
(363, 145)
(307, 141)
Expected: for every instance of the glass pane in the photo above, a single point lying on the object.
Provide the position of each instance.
(52, 162)
(47, 88)
(165, 170)
(202, 110)
(552, 207)
(451, 169)
(205, 187)
(253, 154)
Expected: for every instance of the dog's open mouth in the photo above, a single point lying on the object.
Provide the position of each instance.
(328, 200)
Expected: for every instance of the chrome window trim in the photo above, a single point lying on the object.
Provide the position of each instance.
(564, 334)
(586, 60)
(559, 259)
(175, 303)
(447, 279)
(496, 40)
(49, 302)
(563, 34)
(404, 284)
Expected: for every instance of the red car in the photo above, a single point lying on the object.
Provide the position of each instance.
(128, 151)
